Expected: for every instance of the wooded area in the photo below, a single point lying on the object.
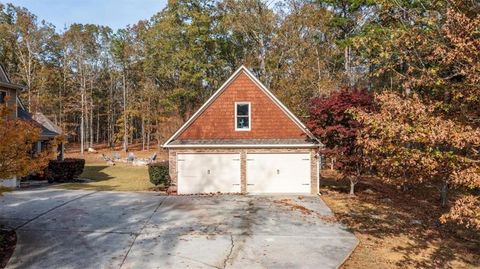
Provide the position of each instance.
(141, 82)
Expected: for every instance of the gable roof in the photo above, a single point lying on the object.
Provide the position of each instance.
(260, 85)
(46, 122)
(46, 131)
(5, 80)
(3, 75)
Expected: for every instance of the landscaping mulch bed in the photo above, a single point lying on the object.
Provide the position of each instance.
(8, 240)
(399, 228)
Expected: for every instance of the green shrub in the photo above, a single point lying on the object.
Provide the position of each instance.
(159, 174)
(65, 170)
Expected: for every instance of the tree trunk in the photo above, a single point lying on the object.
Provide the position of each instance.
(348, 67)
(29, 77)
(143, 132)
(132, 132)
(159, 146)
(332, 163)
(109, 114)
(352, 187)
(91, 124)
(125, 120)
(87, 122)
(63, 88)
(149, 129)
(443, 194)
(109, 127)
(82, 122)
(114, 120)
(319, 69)
(148, 139)
(262, 62)
(98, 125)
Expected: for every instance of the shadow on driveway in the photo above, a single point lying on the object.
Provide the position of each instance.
(85, 229)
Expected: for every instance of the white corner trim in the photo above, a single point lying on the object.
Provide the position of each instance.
(220, 90)
(243, 146)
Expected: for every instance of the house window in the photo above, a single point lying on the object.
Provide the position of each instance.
(242, 116)
(3, 96)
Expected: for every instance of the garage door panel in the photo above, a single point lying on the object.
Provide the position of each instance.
(205, 173)
(279, 173)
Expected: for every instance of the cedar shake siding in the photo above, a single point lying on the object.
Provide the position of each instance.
(268, 121)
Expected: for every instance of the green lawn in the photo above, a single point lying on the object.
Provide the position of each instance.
(121, 177)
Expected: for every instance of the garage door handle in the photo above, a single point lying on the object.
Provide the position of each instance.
(208, 172)
(250, 184)
(306, 184)
(278, 171)
(236, 184)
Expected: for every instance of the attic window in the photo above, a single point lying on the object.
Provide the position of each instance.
(242, 116)
(3, 96)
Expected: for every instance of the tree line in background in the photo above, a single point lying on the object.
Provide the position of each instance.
(139, 83)
(392, 87)
(111, 86)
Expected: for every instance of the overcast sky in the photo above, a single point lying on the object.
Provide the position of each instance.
(114, 13)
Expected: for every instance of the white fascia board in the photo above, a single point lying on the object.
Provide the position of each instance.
(204, 106)
(281, 105)
(245, 146)
(220, 90)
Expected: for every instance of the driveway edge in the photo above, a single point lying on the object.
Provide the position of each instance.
(351, 252)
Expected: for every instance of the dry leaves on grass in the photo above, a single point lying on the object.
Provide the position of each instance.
(402, 231)
(294, 206)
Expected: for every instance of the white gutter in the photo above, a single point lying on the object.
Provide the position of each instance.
(244, 146)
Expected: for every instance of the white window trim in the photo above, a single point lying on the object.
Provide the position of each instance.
(249, 116)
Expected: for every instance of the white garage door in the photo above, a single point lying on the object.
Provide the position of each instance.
(278, 173)
(206, 173)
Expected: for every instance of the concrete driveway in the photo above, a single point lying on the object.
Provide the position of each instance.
(86, 229)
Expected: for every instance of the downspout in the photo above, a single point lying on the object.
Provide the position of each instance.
(319, 165)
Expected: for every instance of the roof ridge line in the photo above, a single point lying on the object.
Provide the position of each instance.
(223, 87)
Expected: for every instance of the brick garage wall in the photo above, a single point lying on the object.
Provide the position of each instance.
(243, 161)
(267, 119)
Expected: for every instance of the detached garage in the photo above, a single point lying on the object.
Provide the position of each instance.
(243, 140)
